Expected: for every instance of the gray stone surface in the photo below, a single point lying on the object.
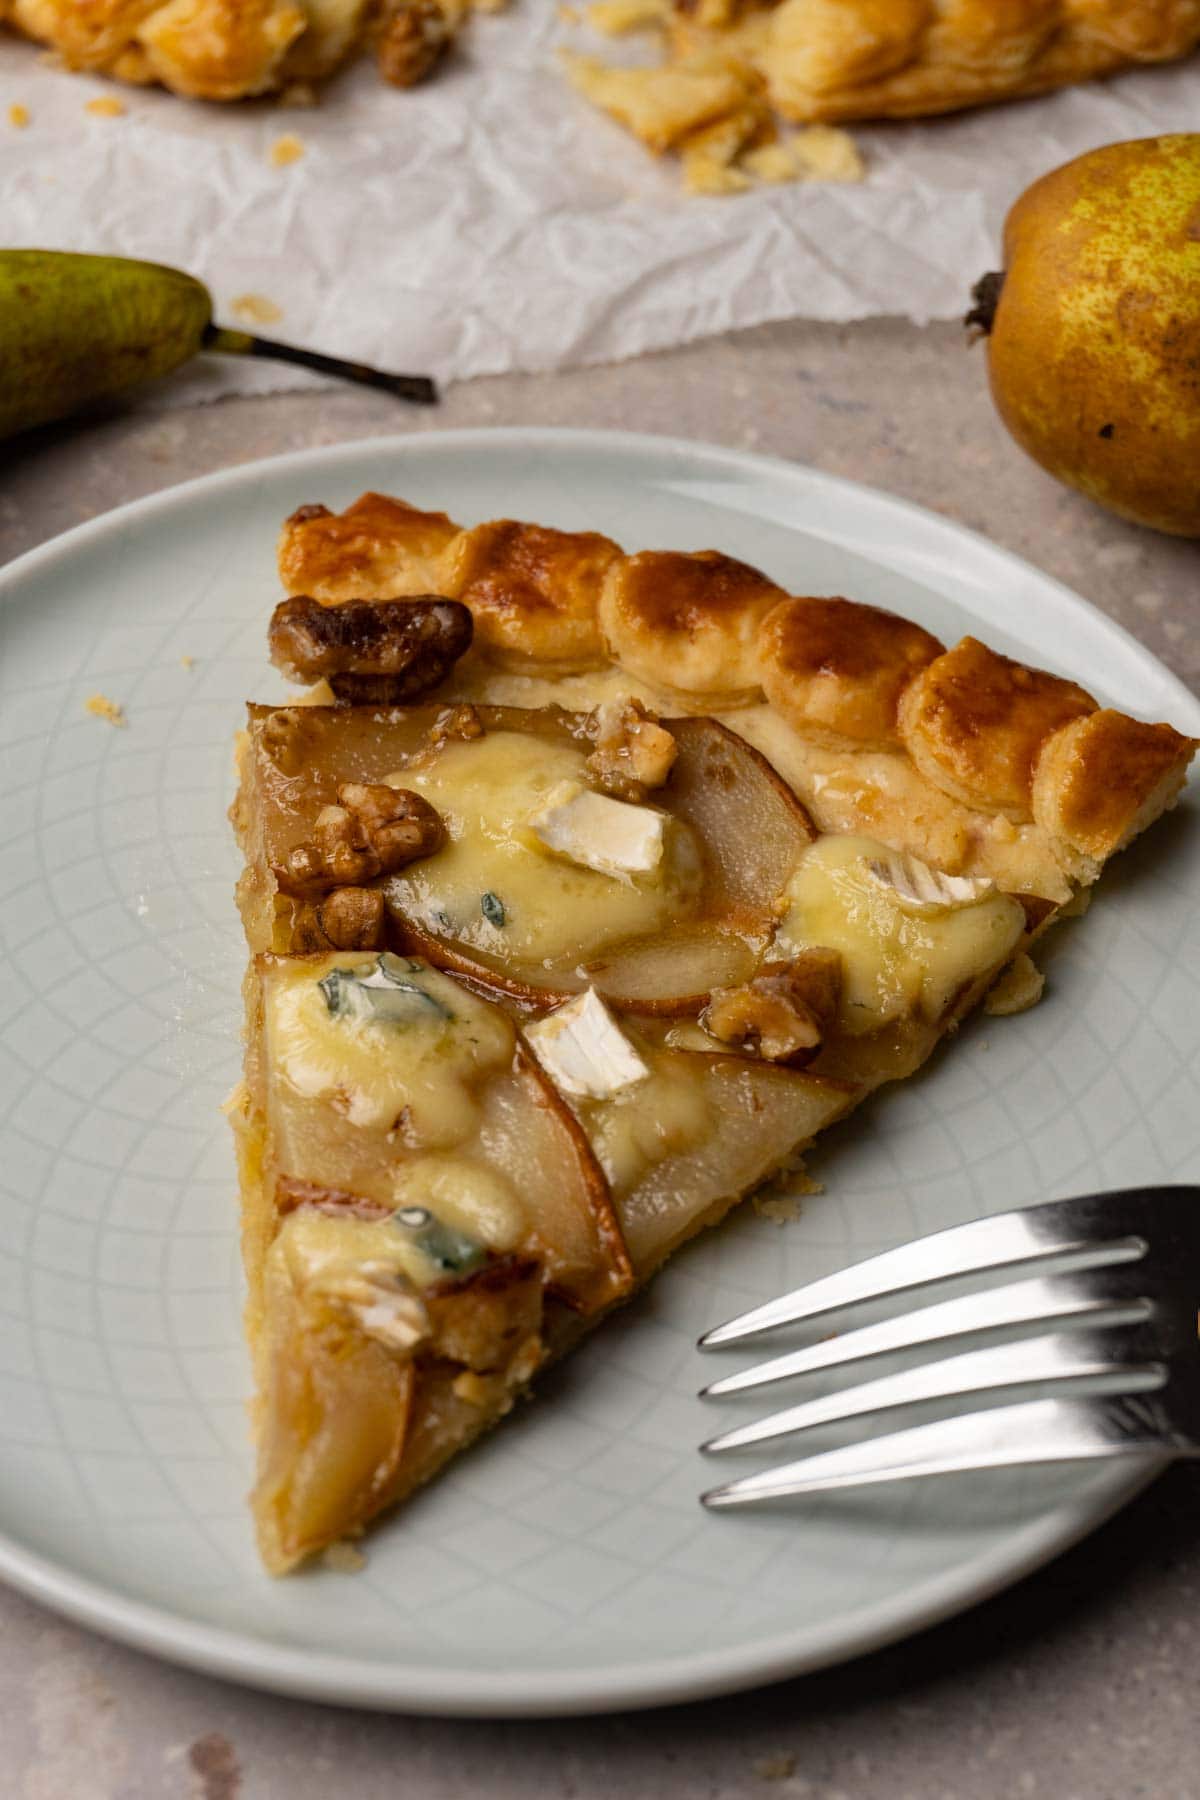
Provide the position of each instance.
(1084, 1682)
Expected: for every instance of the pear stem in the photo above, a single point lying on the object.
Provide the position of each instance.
(417, 388)
(986, 298)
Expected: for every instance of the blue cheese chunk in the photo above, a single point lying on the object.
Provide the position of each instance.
(607, 835)
(584, 1051)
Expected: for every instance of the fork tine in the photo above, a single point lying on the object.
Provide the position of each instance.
(1063, 1356)
(1033, 1431)
(1058, 1228)
(1035, 1302)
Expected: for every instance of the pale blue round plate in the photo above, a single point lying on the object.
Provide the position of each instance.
(564, 1565)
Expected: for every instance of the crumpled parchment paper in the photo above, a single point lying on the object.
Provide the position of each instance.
(492, 220)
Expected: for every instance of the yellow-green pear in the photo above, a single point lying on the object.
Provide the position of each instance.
(1094, 328)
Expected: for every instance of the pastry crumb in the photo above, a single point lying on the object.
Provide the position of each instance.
(256, 309)
(319, 694)
(343, 1558)
(187, 662)
(286, 149)
(781, 1209)
(1019, 987)
(780, 1767)
(827, 153)
(473, 1389)
(18, 116)
(697, 91)
(781, 1201)
(771, 163)
(705, 175)
(101, 707)
(106, 106)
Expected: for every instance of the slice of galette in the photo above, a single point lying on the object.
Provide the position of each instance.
(551, 966)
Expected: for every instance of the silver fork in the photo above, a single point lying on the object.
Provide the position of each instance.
(1124, 1317)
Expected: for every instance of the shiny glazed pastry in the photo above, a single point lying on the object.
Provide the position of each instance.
(551, 965)
(733, 67)
(239, 49)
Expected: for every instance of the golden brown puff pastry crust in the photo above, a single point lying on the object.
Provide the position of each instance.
(532, 592)
(974, 722)
(92, 34)
(688, 622)
(377, 549)
(832, 60)
(835, 670)
(962, 756)
(1103, 778)
(206, 49)
(236, 49)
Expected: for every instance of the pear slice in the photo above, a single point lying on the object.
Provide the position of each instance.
(699, 1133)
(494, 906)
(407, 1253)
(464, 1113)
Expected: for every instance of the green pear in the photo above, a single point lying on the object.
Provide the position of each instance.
(79, 329)
(75, 330)
(1094, 328)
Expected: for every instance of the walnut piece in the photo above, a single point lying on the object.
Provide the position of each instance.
(350, 918)
(455, 722)
(633, 753)
(372, 652)
(373, 831)
(783, 1013)
(411, 38)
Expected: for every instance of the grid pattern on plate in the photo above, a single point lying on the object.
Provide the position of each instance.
(573, 1538)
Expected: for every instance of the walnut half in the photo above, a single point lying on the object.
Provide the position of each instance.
(372, 652)
(783, 1013)
(373, 831)
(633, 751)
(350, 918)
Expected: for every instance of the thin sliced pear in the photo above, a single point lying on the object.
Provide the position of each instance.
(763, 1114)
(335, 1409)
(748, 826)
(522, 1130)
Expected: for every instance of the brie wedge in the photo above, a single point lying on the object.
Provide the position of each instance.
(607, 835)
(584, 1051)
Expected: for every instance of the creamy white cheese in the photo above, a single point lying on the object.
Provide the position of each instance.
(913, 884)
(584, 1051)
(610, 836)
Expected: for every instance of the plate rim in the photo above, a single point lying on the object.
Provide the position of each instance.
(658, 1681)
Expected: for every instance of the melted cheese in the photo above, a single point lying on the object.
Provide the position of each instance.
(366, 1268)
(880, 791)
(467, 1195)
(607, 835)
(540, 907)
(665, 1114)
(897, 960)
(413, 1074)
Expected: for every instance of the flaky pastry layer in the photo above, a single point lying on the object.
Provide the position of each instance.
(845, 60)
(975, 762)
(239, 49)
